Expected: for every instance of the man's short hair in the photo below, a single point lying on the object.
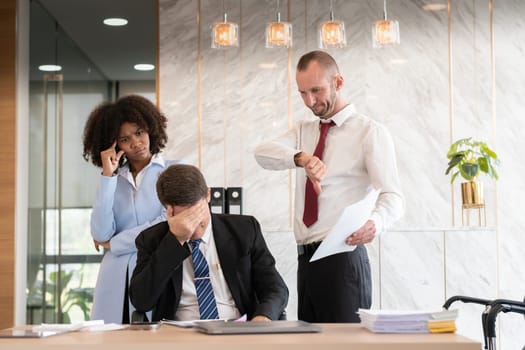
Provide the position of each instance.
(322, 58)
(181, 185)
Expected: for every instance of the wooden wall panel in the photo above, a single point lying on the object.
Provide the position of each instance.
(7, 160)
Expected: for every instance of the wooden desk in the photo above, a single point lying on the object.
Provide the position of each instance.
(333, 337)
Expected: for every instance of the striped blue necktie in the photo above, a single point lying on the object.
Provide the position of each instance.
(205, 297)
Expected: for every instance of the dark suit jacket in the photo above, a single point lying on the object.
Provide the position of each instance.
(247, 264)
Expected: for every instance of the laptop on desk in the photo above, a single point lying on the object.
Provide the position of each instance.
(223, 327)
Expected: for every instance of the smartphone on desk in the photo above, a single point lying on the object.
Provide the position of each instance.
(143, 325)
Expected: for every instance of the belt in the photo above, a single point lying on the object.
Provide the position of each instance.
(308, 249)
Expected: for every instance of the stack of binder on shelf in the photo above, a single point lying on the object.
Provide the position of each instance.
(394, 321)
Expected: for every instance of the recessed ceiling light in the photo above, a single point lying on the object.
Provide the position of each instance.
(435, 7)
(49, 68)
(115, 22)
(144, 66)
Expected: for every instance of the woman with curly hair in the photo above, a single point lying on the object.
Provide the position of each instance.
(124, 138)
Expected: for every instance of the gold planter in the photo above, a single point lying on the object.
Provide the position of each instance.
(472, 198)
(472, 194)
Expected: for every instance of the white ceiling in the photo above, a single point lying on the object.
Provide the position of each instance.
(95, 51)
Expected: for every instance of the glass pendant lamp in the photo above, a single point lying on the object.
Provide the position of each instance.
(385, 32)
(278, 34)
(224, 34)
(332, 32)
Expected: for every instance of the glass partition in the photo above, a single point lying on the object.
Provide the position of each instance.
(62, 261)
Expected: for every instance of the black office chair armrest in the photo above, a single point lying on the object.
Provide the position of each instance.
(501, 305)
(465, 299)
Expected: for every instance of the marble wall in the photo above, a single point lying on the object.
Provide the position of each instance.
(457, 73)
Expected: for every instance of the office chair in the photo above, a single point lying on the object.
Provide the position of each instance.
(489, 315)
(467, 299)
(497, 306)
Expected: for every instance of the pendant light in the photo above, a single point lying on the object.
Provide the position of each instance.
(385, 32)
(278, 34)
(332, 32)
(224, 34)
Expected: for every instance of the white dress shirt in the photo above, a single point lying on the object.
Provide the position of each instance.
(359, 155)
(188, 308)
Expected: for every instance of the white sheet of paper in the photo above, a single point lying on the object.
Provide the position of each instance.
(66, 326)
(353, 217)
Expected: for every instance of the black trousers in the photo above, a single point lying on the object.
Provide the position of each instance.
(125, 310)
(330, 290)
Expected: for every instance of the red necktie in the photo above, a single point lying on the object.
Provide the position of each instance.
(310, 197)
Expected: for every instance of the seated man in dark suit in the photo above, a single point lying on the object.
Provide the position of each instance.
(241, 268)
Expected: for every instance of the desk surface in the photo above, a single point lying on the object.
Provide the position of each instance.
(333, 337)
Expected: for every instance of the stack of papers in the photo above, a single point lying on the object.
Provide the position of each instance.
(395, 321)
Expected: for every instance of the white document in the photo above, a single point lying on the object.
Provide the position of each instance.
(105, 327)
(353, 217)
(193, 323)
(84, 326)
(44, 327)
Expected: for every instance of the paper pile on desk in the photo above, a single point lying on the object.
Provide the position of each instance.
(394, 321)
(84, 326)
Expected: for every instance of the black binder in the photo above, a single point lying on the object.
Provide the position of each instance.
(234, 200)
(217, 200)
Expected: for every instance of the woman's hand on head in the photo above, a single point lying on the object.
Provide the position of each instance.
(110, 159)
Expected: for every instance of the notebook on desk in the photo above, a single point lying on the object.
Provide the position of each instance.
(222, 327)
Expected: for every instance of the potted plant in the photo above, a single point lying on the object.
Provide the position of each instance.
(469, 158)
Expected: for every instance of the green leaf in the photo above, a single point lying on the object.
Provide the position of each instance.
(455, 153)
(483, 164)
(469, 170)
(490, 152)
(450, 168)
(456, 159)
(495, 174)
(452, 150)
(454, 176)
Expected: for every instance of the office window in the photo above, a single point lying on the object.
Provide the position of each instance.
(62, 261)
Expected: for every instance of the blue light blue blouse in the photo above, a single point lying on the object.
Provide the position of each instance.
(121, 211)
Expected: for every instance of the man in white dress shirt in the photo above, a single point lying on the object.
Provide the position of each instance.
(358, 155)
